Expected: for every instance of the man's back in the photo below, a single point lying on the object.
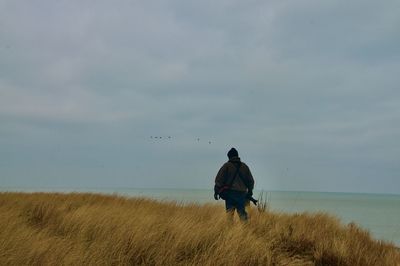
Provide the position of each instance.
(242, 178)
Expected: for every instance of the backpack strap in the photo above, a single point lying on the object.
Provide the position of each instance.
(234, 176)
(244, 180)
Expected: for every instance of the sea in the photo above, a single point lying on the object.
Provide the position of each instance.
(378, 213)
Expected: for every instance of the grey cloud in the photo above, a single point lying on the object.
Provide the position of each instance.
(310, 86)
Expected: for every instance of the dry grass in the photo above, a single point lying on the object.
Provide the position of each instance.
(92, 229)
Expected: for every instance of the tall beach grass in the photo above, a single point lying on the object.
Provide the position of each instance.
(94, 229)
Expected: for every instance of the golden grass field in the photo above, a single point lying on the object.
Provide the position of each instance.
(93, 229)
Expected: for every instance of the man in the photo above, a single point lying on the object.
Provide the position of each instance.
(234, 183)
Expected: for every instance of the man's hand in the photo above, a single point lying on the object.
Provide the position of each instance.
(216, 196)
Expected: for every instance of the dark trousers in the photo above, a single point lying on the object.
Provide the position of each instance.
(236, 200)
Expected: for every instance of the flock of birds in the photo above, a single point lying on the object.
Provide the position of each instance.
(169, 137)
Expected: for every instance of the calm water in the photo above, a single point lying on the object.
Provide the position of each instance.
(380, 214)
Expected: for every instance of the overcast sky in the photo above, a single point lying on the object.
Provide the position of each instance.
(307, 91)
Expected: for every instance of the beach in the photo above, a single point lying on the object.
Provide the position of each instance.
(377, 213)
(98, 229)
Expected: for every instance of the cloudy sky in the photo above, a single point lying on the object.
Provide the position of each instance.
(307, 91)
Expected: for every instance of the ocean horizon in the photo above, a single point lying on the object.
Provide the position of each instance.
(377, 213)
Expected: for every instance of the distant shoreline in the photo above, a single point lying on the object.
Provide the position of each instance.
(110, 189)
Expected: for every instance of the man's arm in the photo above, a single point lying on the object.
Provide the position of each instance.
(220, 179)
(250, 182)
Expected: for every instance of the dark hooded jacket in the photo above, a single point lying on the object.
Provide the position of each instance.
(228, 171)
